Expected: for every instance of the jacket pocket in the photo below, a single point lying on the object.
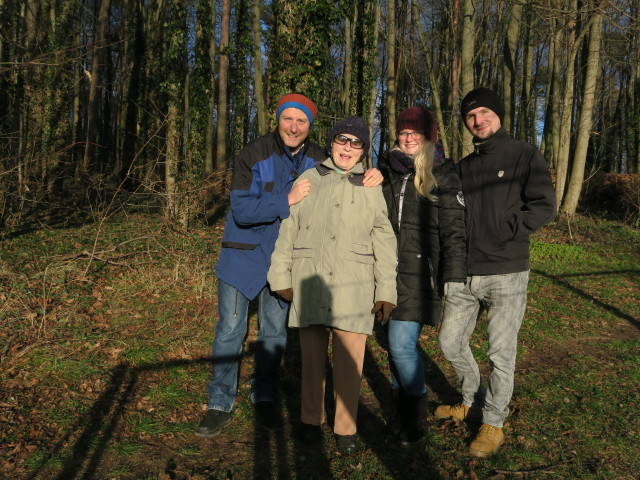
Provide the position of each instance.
(361, 253)
(239, 245)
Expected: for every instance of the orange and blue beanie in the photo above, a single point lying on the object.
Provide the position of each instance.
(299, 101)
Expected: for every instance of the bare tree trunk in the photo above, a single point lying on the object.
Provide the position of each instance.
(374, 86)
(391, 74)
(345, 85)
(562, 165)
(436, 108)
(223, 80)
(467, 53)
(634, 93)
(455, 84)
(526, 129)
(509, 68)
(94, 81)
(172, 158)
(586, 116)
(209, 166)
(261, 106)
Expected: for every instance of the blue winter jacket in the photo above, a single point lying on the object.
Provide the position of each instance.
(263, 175)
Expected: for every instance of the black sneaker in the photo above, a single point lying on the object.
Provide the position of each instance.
(268, 416)
(347, 444)
(310, 433)
(213, 423)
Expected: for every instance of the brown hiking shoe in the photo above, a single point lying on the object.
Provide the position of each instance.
(458, 412)
(487, 442)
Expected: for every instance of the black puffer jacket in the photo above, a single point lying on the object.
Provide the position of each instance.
(431, 235)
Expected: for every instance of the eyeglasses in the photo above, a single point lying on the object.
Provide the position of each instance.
(413, 135)
(355, 142)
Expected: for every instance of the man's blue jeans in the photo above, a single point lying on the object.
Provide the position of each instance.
(228, 342)
(407, 370)
(505, 299)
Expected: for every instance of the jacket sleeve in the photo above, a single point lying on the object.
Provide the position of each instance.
(451, 225)
(279, 274)
(251, 203)
(384, 251)
(539, 199)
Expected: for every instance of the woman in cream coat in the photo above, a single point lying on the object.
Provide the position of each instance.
(335, 260)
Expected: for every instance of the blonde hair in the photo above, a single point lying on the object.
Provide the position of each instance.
(424, 181)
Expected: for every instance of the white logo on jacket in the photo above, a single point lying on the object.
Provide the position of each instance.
(501, 174)
(460, 198)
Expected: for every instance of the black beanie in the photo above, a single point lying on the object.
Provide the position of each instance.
(482, 97)
(353, 126)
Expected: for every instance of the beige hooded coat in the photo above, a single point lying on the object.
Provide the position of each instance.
(337, 251)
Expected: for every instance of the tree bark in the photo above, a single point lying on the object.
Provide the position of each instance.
(391, 73)
(434, 81)
(562, 165)
(223, 81)
(467, 53)
(94, 81)
(509, 72)
(209, 162)
(373, 94)
(261, 106)
(586, 116)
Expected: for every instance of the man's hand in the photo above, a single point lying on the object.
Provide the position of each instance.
(300, 190)
(286, 294)
(382, 311)
(372, 177)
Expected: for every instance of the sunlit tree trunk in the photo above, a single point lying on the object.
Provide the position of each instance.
(261, 106)
(509, 71)
(209, 162)
(223, 83)
(373, 52)
(586, 116)
(345, 84)
(467, 52)
(562, 165)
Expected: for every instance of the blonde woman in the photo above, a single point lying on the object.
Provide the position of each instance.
(426, 209)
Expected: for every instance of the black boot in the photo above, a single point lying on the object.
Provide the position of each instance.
(395, 426)
(414, 412)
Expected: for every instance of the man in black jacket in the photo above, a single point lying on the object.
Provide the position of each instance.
(508, 196)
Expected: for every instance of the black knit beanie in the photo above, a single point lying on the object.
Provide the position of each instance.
(482, 97)
(353, 126)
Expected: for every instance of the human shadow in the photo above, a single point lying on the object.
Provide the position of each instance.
(559, 279)
(99, 425)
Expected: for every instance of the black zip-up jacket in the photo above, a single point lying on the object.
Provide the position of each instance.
(508, 195)
(430, 234)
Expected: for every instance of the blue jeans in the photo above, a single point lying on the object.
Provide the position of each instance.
(228, 341)
(407, 370)
(505, 299)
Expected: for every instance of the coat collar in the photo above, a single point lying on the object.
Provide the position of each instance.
(355, 175)
(491, 144)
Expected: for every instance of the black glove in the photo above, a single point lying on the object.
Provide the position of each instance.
(382, 311)
(286, 294)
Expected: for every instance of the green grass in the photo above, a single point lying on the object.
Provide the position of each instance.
(105, 365)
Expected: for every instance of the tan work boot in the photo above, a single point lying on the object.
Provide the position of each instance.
(458, 412)
(487, 442)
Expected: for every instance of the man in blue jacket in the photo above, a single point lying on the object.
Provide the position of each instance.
(261, 193)
(508, 195)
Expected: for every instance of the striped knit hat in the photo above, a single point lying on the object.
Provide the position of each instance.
(299, 101)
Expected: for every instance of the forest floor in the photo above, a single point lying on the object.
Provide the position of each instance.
(105, 339)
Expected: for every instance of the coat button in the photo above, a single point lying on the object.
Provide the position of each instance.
(419, 256)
